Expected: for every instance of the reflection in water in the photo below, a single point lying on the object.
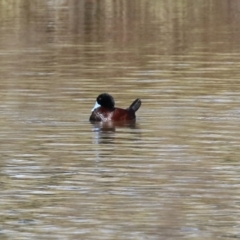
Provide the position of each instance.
(104, 131)
(173, 174)
(111, 126)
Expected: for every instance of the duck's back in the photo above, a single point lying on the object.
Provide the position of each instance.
(120, 114)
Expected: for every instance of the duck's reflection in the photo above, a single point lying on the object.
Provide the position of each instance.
(111, 126)
(105, 131)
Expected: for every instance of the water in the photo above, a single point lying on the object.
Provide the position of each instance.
(172, 175)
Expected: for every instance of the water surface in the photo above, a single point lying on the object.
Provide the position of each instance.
(172, 175)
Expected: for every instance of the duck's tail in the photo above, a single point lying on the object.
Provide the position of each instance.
(135, 105)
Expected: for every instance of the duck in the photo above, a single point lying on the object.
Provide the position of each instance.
(104, 110)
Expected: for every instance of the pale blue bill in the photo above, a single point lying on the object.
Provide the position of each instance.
(95, 106)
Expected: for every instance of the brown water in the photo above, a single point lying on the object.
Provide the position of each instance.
(173, 175)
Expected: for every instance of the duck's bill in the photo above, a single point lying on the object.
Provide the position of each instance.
(95, 106)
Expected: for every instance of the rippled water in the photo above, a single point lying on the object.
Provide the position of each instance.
(174, 174)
